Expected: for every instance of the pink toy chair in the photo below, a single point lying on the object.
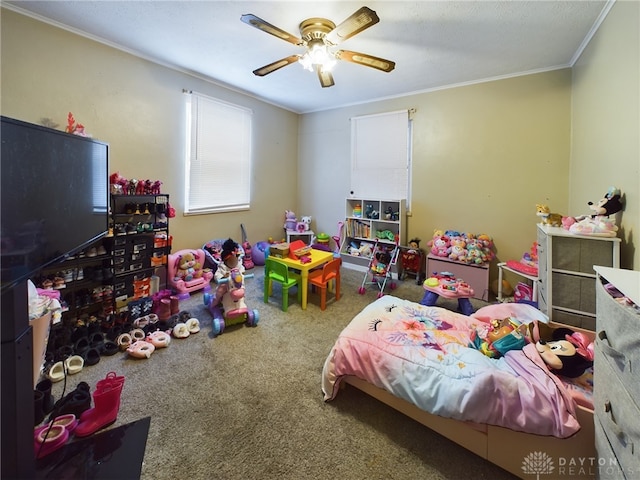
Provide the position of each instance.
(201, 280)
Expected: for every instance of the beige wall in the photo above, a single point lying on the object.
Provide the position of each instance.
(483, 156)
(138, 108)
(605, 146)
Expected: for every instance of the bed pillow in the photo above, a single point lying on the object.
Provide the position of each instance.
(523, 312)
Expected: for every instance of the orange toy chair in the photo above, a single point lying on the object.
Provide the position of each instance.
(321, 279)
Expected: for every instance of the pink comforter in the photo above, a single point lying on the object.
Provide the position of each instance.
(421, 354)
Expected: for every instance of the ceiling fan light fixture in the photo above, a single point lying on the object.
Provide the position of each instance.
(318, 54)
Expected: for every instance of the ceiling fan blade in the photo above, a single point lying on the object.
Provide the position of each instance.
(260, 24)
(366, 60)
(325, 77)
(356, 23)
(278, 64)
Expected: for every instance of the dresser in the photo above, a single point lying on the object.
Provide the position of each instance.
(566, 286)
(616, 377)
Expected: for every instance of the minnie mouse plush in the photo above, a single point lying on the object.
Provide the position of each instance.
(568, 353)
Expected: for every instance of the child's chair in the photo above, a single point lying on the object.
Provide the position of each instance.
(199, 279)
(279, 272)
(321, 279)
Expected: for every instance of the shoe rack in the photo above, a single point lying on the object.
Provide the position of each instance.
(140, 245)
(84, 281)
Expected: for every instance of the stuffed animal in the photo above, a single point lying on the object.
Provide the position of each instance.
(609, 204)
(440, 244)
(547, 218)
(188, 267)
(567, 353)
(306, 221)
(290, 220)
(599, 222)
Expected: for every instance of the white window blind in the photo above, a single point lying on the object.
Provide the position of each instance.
(218, 158)
(380, 155)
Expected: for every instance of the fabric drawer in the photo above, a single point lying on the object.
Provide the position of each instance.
(618, 339)
(608, 466)
(618, 414)
(575, 292)
(580, 254)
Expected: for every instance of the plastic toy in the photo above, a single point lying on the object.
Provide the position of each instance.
(383, 257)
(228, 306)
(412, 261)
(447, 285)
(504, 335)
(259, 252)
(247, 261)
(529, 262)
(186, 273)
(338, 238)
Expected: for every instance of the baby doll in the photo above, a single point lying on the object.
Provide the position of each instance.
(230, 264)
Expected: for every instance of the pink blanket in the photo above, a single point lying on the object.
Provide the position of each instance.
(422, 354)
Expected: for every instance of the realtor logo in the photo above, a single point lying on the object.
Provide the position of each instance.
(537, 463)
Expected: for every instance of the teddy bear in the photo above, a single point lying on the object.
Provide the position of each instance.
(188, 268)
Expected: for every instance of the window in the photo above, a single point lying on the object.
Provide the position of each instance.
(218, 156)
(381, 156)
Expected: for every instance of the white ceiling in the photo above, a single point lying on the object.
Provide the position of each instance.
(435, 44)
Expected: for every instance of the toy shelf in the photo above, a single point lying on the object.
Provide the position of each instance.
(368, 220)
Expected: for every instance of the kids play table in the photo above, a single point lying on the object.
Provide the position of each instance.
(317, 259)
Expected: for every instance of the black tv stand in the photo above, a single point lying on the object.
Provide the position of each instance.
(18, 460)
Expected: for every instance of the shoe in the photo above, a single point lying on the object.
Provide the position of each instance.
(56, 373)
(193, 324)
(92, 356)
(141, 349)
(159, 339)
(137, 334)
(101, 250)
(44, 386)
(74, 364)
(123, 341)
(181, 330)
(92, 252)
(75, 402)
(109, 348)
(47, 440)
(106, 400)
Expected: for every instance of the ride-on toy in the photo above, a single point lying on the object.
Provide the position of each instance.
(227, 306)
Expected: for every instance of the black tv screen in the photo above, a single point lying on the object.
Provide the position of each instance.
(54, 197)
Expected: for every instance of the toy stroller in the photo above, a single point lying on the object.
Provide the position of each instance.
(383, 257)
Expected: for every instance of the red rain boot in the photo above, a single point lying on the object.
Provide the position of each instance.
(174, 302)
(111, 380)
(164, 309)
(106, 399)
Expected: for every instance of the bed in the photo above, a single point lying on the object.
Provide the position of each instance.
(510, 410)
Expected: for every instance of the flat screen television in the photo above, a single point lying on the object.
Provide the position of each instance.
(54, 197)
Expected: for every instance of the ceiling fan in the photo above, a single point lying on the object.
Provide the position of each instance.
(319, 36)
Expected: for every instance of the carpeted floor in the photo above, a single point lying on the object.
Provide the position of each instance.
(248, 405)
